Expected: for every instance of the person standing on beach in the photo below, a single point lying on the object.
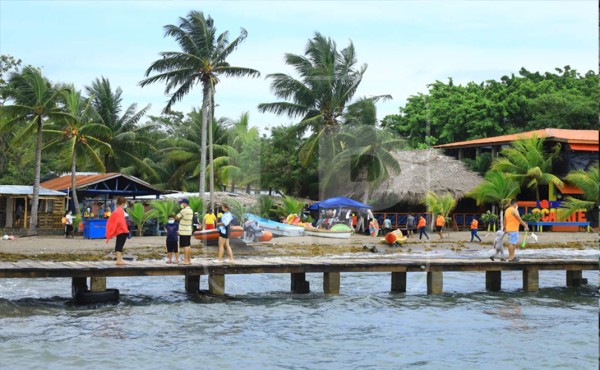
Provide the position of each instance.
(185, 218)
(117, 226)
(387, 226)
(439, 224)
(69, 224)
(18, 215)
(422, 226)
(209, 220)
(474, 228)
(512, 220)
(410, 225)
(172, 248)
(224, 227)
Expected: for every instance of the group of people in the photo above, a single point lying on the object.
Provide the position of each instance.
(179, 230)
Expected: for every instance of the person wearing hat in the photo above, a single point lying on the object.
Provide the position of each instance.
(185, 218)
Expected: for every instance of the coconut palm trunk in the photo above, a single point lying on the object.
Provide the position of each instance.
(210, 150)
(36, 183)
(74, 182)
(205, 116)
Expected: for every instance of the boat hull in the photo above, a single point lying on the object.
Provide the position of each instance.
(206, 235)
(327, 233)
(277, 228)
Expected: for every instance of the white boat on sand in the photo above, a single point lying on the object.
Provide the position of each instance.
(276, 228)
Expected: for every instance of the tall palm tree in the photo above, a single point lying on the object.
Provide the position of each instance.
(202, 59)
(35, 103)
(586, 181)
(496, 188)
(527, 162)
(126, 138)
(82, 133)
(328, 79)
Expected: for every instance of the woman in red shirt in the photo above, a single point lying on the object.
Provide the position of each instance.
(117, 226)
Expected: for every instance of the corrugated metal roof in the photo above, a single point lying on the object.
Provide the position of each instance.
(557, 134)
(83, 180)
(27, 190)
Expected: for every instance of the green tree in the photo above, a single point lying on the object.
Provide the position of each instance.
(128, 141)
(587, 181)
(163, 209)
(203, 59)
(366, 152)
(328, 80)
(139, 216)
(437, 203)
(527, 162)
(496, 188)
(35, 103)
(79, 133)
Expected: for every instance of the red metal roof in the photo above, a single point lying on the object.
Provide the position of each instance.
(64, 182)
(589, 137)
(570, 189)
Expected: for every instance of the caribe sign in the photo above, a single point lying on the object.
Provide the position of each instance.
(549, 209)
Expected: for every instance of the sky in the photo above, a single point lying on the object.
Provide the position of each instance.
(406, 44)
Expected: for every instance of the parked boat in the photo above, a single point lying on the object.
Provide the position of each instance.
(276, 228)
(213, 234)
(337, 231)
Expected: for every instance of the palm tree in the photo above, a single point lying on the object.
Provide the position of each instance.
(81, 131)
(328, 80)
(526, 162)
(203, 59)
(496, 188)
(139, 216)
(586, 181)
(163, 209)
(366, 152)
(436, 203)
(127, 139)
(35, 103)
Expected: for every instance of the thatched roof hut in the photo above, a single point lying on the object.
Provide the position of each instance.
(421, 171)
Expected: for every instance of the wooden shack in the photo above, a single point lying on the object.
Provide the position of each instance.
(15, 207)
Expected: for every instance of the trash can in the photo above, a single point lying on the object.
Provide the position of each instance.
(94, 228)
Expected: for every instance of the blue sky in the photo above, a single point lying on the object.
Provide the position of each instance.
(406, 44)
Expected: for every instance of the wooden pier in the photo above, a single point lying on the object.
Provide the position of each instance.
(97, 272)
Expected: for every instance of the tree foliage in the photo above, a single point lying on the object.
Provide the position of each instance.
(529, 101)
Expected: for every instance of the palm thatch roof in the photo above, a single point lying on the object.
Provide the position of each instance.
(421, 171)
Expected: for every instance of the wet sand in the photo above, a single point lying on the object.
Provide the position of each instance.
(150, 247)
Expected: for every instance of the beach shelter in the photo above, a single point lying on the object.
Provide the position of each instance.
(338, 202)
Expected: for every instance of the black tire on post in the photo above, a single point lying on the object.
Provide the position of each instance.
(89, 297)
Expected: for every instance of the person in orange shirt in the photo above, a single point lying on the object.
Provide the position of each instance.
(474, 228)
(440, 221)
(512, 220)
(422, 226)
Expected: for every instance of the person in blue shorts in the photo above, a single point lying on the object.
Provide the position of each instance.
(172, 229)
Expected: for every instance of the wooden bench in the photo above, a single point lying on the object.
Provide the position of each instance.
(561, 223)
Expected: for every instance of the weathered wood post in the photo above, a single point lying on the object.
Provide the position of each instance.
(493, 280)
(575, 278)
(192, 283)
(435, 282)
(331, 283)
(299, 283)
(216, 284)
(78, 284)
(98, 283)
(399, 281)
(531, 280)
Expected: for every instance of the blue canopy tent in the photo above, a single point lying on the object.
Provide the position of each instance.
(338, 202)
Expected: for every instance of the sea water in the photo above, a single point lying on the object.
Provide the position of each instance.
(263, 326)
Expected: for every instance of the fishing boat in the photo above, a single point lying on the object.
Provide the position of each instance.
(339, 231)
(213, 234)
(276, 228)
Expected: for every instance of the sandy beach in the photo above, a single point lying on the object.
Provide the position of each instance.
(150, 247)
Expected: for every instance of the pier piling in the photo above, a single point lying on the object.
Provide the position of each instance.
(493, 280)
(399, 281)
(435, 282)
(331, 283)
(531, 280)
(192, 283)
(299, 283)
(216, 284)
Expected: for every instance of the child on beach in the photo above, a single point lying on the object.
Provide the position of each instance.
(172, 229)
(499, 245)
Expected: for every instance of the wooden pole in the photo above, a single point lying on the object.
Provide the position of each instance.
(216, 284)
(435, 282)
(399, 281)
(331, 283)
(493, 281)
